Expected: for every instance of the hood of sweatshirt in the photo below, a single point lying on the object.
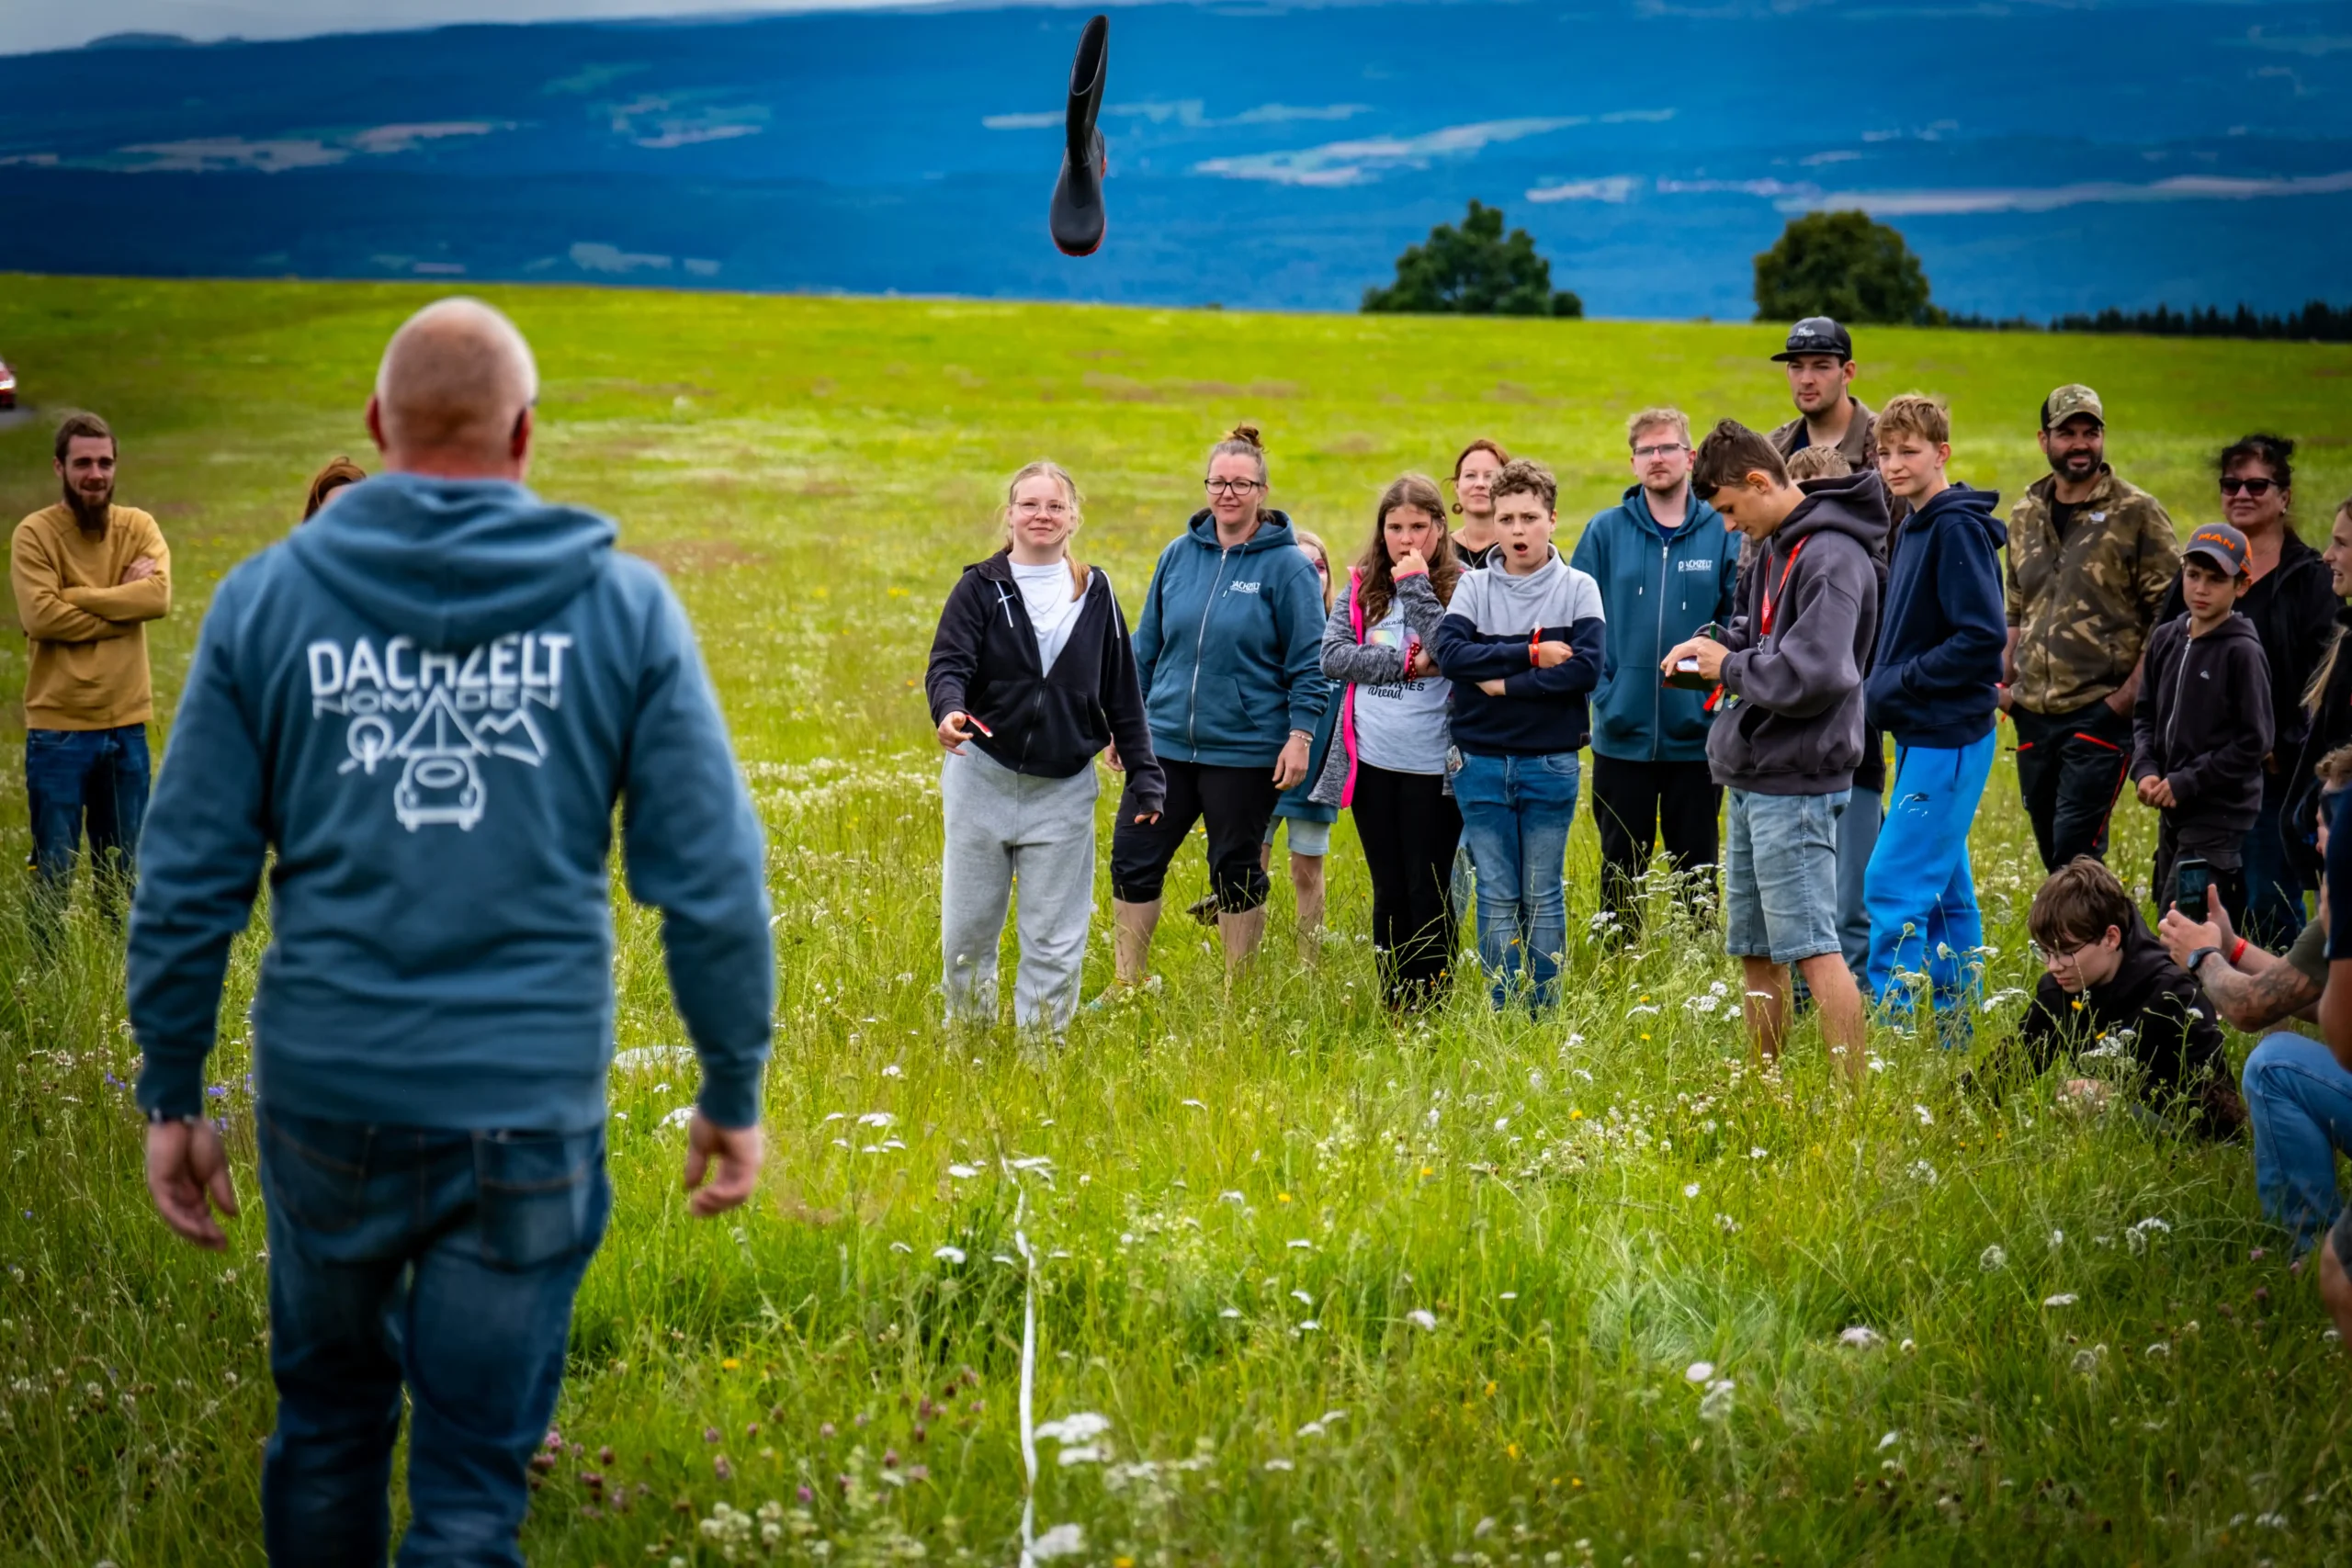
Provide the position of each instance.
(1273, 533)
(1959, 506)
(451, 562)
(1502, 603)
(1851, 504)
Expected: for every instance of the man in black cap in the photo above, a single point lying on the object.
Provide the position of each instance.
(1820, 359)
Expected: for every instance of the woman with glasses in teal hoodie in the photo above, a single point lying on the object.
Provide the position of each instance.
(1228, 651)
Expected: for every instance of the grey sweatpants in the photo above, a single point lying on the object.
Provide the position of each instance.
(1002, 826)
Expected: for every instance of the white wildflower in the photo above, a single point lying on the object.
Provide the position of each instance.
(1083, 1427)
(1992, 1257)
(1889, 1441)
(1716, 1404)
(2062, 1299)
(1698, 1372)
(1927, 1118)
(962, 1172)
(1862, 1336)
(1062, 1540)
(949, 1255)
(1423, 1319)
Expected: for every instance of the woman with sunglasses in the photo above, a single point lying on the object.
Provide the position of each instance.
(1228, 650)
(1031, 675)
(2293, 605)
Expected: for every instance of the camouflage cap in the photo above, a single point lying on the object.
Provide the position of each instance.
(2068, 401)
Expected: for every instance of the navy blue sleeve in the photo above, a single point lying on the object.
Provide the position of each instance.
(691, 846)
(1464, 653)
(954, 649)
(201, 862)
(2339, 873)
(1573, 678)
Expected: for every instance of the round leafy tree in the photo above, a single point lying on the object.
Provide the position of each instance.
(1475, 271)
(1843, 265)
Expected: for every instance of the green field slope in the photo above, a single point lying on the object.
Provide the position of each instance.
(1344, 1294)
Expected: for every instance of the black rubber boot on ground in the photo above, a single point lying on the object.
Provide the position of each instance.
(1077, 217)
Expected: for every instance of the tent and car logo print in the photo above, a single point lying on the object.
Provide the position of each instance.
(439, 716)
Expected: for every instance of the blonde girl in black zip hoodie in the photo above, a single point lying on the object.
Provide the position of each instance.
(1031, 675)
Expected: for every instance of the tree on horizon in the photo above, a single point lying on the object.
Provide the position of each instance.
(1473, 270)
(1843, 265)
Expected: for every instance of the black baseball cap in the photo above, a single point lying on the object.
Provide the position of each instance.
(1817, 334)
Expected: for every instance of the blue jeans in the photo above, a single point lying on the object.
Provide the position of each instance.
(2299, 1099)
(1516, 812)
(2274, 892)
(75, 779)
(1858, 829)
(1920, 892)
(441, 1259)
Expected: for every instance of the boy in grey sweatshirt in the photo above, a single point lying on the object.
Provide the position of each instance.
(1788, 726)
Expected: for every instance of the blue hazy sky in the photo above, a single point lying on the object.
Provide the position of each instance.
(2050, 155)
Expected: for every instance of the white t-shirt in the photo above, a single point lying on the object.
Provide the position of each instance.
(1401, 725)
(1045, 590)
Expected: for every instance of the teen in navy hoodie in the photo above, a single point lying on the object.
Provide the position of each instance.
(1935, 687)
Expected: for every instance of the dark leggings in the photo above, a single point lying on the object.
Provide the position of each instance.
(1236, 802)
(1410, 827)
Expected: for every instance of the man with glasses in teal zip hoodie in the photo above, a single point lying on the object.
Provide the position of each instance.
(1667, 566)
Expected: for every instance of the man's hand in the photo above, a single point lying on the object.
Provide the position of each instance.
(138, 571)
(1552, 655)
(1111, 758)
(953, 733)
(1709, 654)
(187, 1166)
(2183, 936)
(1291, 766)
(735, 1150)
(2001, 693)
(2125, 698)
(2155, 792)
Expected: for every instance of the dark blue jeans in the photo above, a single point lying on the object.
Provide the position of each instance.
(78, 778)
(444, 1260)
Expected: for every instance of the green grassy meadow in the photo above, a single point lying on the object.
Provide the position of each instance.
(1343, 1292)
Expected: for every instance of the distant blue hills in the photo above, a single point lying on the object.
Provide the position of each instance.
(2040, 158)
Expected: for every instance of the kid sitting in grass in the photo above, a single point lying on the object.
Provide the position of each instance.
(2202, 727)
(2112, 989)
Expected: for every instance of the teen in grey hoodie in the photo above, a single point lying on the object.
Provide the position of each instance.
(1788, 726)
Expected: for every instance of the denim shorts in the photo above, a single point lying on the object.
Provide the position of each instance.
(1781, 874)
(1312, 840)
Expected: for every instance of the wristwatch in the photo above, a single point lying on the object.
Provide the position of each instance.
(2200, 955)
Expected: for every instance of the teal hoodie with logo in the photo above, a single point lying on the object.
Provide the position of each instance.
(427, 703)
(1230, 646)
(1659, 586)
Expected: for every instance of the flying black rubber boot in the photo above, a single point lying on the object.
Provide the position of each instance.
(1077, 217)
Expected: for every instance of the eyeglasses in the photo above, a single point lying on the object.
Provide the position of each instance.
(1230, 487)
(2257, 488)
(1668, 450)
(1046, 508)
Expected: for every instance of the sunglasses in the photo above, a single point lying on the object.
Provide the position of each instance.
(2234, 485)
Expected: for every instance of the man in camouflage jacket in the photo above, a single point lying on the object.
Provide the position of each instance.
(2090, 559)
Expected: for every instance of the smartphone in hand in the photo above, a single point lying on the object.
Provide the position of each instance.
(1685, 674)
(2192, 881)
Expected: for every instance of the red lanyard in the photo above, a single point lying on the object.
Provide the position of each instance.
(1765, 619)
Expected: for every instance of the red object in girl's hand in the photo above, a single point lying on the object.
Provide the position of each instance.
(983, 729)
